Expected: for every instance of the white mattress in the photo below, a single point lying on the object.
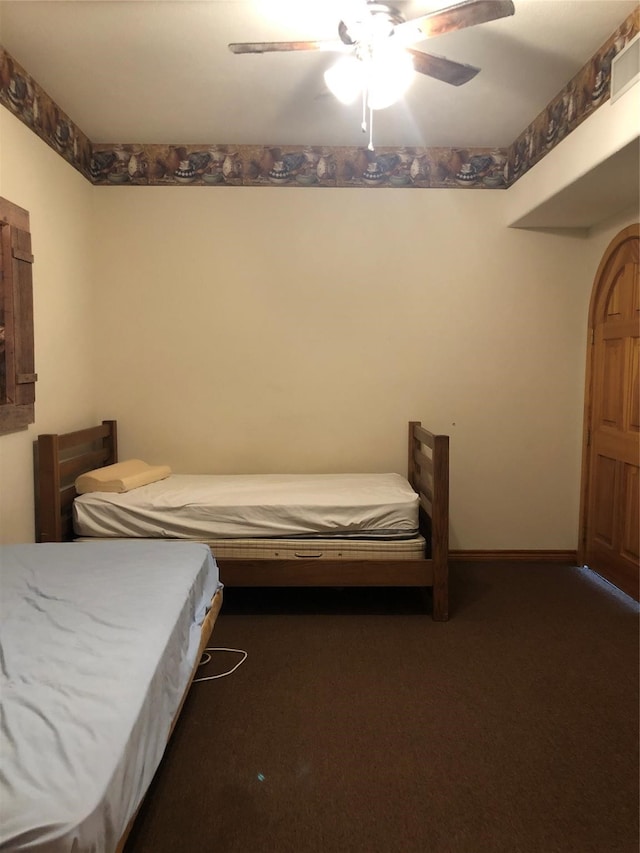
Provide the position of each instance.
(243, 506)
(98, 643)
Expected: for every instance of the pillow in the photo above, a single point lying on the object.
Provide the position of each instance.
(121, 477)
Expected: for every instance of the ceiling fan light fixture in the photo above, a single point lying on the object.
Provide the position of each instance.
(390, 74)
(383, 61)
(345, 79)
(385, 77)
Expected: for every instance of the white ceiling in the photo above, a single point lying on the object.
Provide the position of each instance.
(141, 71)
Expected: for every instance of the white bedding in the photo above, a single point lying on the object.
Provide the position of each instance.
(242, 506)
(98, 642)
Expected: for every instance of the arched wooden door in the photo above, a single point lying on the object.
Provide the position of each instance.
(610, 511)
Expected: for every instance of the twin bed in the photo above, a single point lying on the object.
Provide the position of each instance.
(100, 638)
(272, 530)
(99, 646)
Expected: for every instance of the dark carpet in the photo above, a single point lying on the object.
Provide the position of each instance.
(358, 725)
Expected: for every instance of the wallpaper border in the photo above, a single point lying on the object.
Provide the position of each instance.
(224, 165)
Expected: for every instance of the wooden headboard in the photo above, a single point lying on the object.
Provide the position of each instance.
(59, 459)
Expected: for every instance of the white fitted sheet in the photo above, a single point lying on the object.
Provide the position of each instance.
(98, 644)
(243, 506)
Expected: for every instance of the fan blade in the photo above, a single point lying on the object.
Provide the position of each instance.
(441, 68)
(469, 13)
(280, 46)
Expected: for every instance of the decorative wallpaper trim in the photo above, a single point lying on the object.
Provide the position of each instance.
(580, 98)
(218, 165)
(299, 166)
(22, 96)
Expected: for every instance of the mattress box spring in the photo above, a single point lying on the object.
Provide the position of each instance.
(298, 549)
(287, 549)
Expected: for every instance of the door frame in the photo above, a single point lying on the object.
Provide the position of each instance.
(632, 230)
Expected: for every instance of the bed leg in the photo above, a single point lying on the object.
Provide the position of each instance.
(440, 588)
(440, 604)
(440, 528)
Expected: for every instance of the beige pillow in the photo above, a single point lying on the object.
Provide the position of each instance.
(121, 477)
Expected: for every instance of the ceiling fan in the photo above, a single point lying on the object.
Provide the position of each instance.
(376, 26)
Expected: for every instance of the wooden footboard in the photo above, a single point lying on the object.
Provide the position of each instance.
(62, 458)
(428, 473)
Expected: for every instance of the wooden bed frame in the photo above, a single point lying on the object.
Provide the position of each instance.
(62, 458)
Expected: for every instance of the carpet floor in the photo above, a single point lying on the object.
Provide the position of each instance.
(359, 725)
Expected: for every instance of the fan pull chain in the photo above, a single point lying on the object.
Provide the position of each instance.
(363, 125)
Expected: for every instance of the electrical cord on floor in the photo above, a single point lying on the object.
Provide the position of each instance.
(206, 657)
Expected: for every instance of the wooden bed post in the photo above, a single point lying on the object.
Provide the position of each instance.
(413, 444)
(440, 528)
(428, 475)
(49, 527)
(110, 442)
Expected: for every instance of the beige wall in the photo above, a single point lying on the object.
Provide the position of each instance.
(289, 329)
(602, 234)
(59, 202)
(258, 330)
